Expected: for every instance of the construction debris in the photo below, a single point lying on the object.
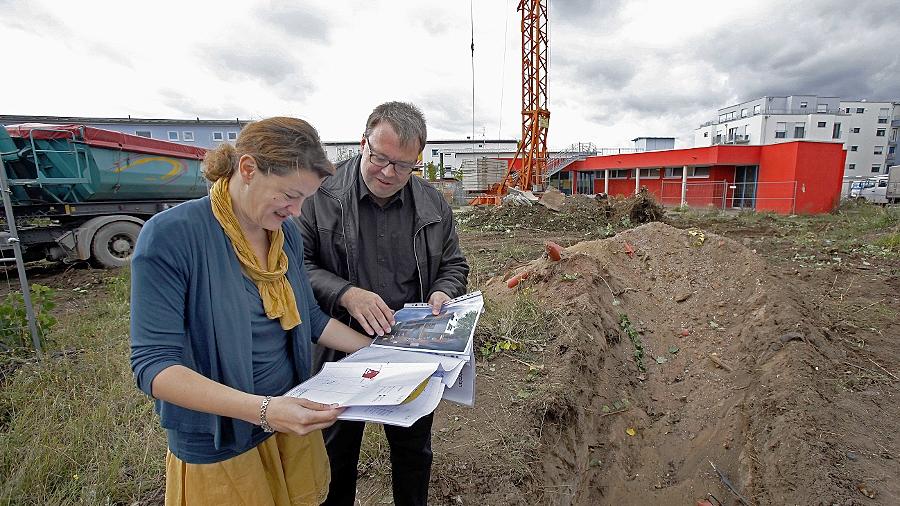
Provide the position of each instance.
(519, 197)
(576, 212)
(552, 199)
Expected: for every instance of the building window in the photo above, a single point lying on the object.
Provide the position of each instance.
(675, 172)
(619, 174)
(650, 173)
(799, 130)
(803, 105)
(756, 109)
(855, 130)
(780, 130)
(143, 133)
(232, 136)
(173, 136)
(723, 118)
(705, 134)
(882, 120)
(854, 148)
(860, 110)
(434, 152)
(891, 150)
(217, 136)
(743, 113)
(847, 110)
(879, 150)
(876, 168)
(187, 136)
(880, 132)
(852, 166)
(836, 131)
(821, 124)
(698, 171)
(894, 134)
(821, 107)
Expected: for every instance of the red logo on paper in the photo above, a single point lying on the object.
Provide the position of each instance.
(370, 373)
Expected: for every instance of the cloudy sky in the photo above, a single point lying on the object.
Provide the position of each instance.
(618, 69)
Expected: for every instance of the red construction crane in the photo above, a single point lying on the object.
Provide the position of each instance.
(527, 168)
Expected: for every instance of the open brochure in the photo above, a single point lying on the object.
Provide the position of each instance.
(450, 332)
(403, 376)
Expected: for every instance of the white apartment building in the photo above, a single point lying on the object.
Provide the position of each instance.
(868, 130)
(871, 137)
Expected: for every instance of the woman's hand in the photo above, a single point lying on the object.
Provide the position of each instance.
(300, 416)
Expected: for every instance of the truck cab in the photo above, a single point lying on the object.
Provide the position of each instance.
(893, 185)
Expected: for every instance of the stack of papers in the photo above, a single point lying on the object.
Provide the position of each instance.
(403, 375)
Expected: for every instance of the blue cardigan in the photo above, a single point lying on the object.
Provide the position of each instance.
(188, 308)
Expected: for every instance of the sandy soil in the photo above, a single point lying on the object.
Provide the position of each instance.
(801, 407)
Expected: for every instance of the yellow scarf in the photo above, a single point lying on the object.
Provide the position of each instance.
(274, 289)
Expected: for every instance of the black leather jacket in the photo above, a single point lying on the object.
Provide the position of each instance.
(329, 223)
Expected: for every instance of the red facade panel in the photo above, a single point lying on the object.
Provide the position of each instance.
(819, 174)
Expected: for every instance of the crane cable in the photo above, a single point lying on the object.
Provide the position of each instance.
(472, 25)
(503, 72)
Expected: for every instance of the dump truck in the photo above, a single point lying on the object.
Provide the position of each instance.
(83, 193)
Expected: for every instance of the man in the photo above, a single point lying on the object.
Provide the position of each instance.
(376, 237)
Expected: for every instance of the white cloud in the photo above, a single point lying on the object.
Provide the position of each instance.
(618, 69)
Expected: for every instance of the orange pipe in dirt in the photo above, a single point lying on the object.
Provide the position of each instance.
(514, 281)
(554, 251)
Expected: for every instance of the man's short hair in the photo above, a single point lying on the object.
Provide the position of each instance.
(406, 119)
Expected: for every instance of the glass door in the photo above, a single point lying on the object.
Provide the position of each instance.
(745, 187)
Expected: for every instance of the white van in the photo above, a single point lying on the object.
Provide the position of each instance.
(872, 189)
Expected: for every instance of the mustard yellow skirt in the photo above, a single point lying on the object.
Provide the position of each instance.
(283, 470)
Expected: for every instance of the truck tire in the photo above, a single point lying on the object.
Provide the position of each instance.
(114, 243)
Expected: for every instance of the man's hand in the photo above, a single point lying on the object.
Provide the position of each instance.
(369, 310)
(437, 301)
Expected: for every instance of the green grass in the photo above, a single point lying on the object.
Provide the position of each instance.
(861, 227)
(890, 242)
(525, 324)
(73, 427)
(486, 263)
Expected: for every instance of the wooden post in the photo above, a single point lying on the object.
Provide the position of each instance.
(684, 186)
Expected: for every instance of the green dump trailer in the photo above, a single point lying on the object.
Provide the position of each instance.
(82, 193)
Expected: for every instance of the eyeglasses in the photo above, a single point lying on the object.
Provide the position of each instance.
(381, 161)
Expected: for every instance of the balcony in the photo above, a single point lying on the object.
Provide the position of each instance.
(733, 139)
(837, 111)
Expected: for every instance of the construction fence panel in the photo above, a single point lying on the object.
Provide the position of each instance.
(777, 196)
(709, 194)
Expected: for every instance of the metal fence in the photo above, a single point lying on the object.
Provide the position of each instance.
(779, 196)
(18, 323)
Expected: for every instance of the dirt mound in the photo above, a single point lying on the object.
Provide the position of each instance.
(578, 213)
(676, 350)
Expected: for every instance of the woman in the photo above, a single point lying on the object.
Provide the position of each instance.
(222, 321)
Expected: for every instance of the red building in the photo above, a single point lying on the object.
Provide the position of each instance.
(801, 177)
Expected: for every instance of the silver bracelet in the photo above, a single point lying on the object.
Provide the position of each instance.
(263, 422)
